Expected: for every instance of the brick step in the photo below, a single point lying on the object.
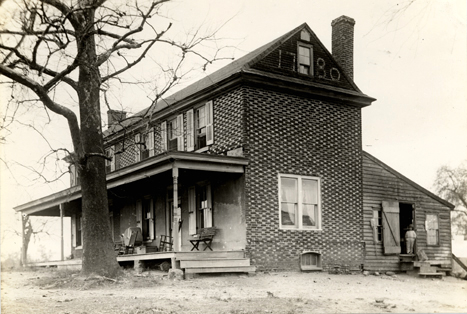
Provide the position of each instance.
(180, 256)
(215, 263)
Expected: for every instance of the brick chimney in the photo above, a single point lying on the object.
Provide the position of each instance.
(114, 116)
(342, 43)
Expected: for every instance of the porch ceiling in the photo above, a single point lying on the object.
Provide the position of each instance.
(147, 168)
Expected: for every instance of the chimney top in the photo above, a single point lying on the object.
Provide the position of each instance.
(343, 18)
(342, 43)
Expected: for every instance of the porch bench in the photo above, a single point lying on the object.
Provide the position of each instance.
(204, 235)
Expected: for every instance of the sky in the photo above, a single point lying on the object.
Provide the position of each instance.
(412, 59)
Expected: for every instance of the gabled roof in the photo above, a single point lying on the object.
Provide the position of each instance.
(211, 79)
(407, 180)
(243, 64)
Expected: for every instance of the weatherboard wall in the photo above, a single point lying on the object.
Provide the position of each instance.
(380, 184)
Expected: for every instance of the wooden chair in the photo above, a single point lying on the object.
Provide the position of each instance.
(166, 243)
(130, 238)
(204, 235)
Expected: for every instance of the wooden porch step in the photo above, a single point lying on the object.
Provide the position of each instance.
(215, 263)
(424, 275)
(195, 255)
(204, 270)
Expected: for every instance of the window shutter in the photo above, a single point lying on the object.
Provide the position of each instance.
(190, 131)
(192, 210)
(112, 155)
(209, 123)
(151, 221)
(391, 232)
(150, 142)
(139, 213)
(164, 136)
(137, 147)
(73, 230)
(180, 143)
(72, 175)
(208, 210)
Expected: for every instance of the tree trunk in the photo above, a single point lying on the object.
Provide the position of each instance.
(98, 252)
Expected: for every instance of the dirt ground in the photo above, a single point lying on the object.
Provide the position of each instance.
(54, 291)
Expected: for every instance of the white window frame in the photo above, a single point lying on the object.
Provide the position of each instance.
(310, 61)
(299, 224)
(429, 229)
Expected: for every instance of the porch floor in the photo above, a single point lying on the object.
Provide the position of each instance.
(192, 262)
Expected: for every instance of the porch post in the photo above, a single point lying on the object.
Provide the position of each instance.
(62, 246)
(177, 215)
(23, 238)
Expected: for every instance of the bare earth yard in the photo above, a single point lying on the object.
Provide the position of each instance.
(52, 291)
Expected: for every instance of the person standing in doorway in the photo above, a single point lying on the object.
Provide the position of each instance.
(410, 237)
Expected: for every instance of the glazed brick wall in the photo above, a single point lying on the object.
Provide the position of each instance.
(287, 134)
(228, 122)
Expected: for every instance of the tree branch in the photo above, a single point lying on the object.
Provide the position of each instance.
(48, 102)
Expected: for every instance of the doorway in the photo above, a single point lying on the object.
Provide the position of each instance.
(406, 218)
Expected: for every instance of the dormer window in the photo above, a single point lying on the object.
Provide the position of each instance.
(305, 56)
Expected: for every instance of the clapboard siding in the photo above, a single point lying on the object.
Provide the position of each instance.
(380, 182)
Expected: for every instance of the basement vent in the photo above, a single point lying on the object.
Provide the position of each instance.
(310, 261)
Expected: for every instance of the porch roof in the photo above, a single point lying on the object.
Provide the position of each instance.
(48, 205)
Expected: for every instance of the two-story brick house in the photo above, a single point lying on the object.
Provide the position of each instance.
(268, 150)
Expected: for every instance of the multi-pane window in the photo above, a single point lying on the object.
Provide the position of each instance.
(110, 161)
(147, 219)
(204, 217)
(299, 199)
(200, 126)
(173, 132)
(172, 135)
(74, 176)
(304, 59)
(377, 223)
(200, 131)
(432, 229)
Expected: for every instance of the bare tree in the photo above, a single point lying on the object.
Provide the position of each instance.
(78, 48)
(451, 184)
(28, 232)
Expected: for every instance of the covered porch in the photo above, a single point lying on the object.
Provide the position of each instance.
(173, 194)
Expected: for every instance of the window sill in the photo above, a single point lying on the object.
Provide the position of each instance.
(202, 150)
(305, 267)
(300, 229)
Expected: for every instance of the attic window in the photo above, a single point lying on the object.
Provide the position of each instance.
(305, 57)
(304, 35)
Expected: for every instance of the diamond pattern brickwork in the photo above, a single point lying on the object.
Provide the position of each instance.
(228, 122)
(292, 135)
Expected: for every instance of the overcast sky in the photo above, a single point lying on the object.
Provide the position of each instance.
(413, 61)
